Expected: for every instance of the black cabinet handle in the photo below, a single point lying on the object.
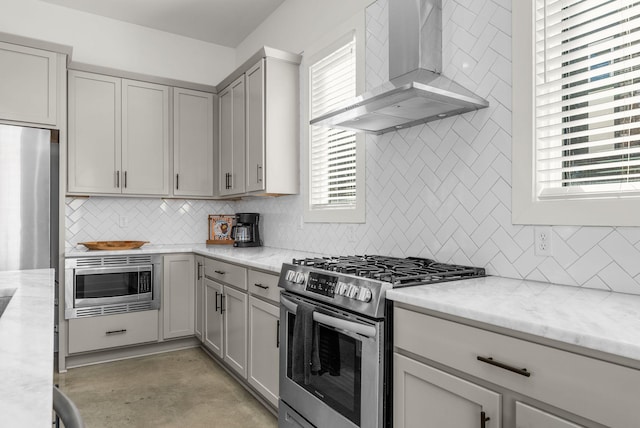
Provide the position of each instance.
(277, 333)
(125, 179)
(118, 179)
(217, 294)
(219, 272)
(124, 330)
(490, 360)
(484, 419)
(223, 299)
(264, 287)
(177, 181)
(199, 270)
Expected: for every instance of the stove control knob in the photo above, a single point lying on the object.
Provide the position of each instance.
(299, 278)
(364, 295)
(353, 291)
(291, 276)
(341, 288)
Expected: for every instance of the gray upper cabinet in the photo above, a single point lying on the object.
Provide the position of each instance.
(193, 151)
(232, 138)
(272, 127)
(28, 87)
(145, 138)
(259, 135)
(95, 133)
(118, 136)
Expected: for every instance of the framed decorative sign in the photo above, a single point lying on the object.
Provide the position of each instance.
(220, 228)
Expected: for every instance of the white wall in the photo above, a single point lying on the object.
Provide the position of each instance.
(106, 42)
(297, 24)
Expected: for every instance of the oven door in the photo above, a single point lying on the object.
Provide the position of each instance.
(112, 285)
(347, 390)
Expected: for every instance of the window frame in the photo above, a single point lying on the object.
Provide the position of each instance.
(328, 44)
(527, 208)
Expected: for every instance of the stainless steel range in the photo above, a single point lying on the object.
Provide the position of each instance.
(335, 325)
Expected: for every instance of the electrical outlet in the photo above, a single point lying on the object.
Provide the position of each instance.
(542, 240)
(124, 221)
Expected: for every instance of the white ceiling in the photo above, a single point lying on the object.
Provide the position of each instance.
(223, 22)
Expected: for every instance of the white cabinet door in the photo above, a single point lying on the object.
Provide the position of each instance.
(255, 127)
(264, 344)
(193, 160)
(145, 138)
(28, 86)
(235, 330)
(232, 139)
(425, 396)
(199, 298)
(178, 296)
(94, 133)
(530, 417)
(213, 316)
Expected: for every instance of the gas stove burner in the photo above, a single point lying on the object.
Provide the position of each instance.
(400, 272)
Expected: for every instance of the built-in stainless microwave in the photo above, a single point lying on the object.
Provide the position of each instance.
(111, 284)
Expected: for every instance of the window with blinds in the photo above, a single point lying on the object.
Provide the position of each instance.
(587, 98)
(332, 82)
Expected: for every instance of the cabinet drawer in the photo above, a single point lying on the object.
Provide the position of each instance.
(603, 392)
(226, 272)
(88, 334)
(259, 280)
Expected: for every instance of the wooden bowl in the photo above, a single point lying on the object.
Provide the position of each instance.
(113, 245)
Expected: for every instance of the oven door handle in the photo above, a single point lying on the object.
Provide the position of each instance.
(339, 323)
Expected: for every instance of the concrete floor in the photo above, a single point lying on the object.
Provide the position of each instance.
(175, 389)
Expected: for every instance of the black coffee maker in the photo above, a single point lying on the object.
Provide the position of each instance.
(245, 232)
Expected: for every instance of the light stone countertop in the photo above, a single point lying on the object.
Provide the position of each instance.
(264, 258)
(26, 349)
(593, 319)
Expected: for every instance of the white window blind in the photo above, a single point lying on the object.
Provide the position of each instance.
(587, 98)
(333, 151)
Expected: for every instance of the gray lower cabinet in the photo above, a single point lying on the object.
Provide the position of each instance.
(111, 331)
(264, 344)
(178, 296)
(530, 417)
(241, 318)
(199, 298)
(423, 393)
(213, 316)
(235, 330)
(458, 375)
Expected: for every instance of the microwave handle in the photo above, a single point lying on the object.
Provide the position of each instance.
(339, 323)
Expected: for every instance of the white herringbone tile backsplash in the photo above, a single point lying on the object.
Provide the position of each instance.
(159, 221)
(441, 190)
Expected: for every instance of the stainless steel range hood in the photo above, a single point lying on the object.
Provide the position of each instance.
(417, 92)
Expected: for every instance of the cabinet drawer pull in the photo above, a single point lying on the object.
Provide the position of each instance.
(122, 331)
(264, 287)
(484, 419)
(220, 272)
(489, 360)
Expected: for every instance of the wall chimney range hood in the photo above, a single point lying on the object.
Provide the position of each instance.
(417, 92)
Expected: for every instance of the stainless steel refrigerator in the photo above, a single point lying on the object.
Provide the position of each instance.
(28, 198)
